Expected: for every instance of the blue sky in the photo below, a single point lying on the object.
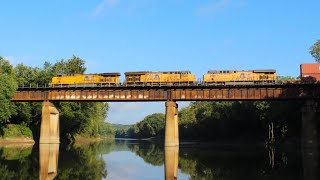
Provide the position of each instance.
(160, 35)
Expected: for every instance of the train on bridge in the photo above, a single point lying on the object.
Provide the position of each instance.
(169, 78)
(309, 72)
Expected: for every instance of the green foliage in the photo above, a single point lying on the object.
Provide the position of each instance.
(105, 130)
(151, 126)
(232, 122)
(286, 79)
(150, 152)
(315, 50)
(120, 126)
(121, 130)
(15, 153)
(8, 87)
(85, 119)
(82, 119)
(83, 162)
(16, 130)
(75, 65)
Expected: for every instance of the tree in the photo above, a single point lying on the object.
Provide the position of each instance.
(315, 50)
(151, 126)
(8, 86)
(83, 119)
(74, 65)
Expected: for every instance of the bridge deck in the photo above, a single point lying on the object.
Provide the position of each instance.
(175, 93)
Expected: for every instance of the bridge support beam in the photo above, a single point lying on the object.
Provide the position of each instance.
(171, 128)
(49, 132)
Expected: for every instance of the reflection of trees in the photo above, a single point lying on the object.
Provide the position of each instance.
(17, 163)
(150, 152)
(239, 163)
(83, 161)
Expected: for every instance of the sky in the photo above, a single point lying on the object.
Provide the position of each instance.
(160, 35)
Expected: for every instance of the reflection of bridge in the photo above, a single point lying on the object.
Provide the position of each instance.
(50, 116)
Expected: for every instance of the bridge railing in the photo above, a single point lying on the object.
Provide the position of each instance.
(122, 85)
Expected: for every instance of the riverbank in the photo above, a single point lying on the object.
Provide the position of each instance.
(16, 141)
(80, 139)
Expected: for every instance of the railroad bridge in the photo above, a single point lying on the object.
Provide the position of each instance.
(309, 94)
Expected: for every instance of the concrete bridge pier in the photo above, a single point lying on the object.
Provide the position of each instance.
(171, 127)
(49, 132)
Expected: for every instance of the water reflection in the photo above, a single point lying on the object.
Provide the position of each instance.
(171, 156)
(48, 155)
(17, 161)
(310, 160)
(146, 160)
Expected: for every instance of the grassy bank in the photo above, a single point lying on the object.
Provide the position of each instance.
(16, 133)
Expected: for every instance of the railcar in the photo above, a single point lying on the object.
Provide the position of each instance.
(70, 80)
(228, 77)
(160, 78)
(310, 72)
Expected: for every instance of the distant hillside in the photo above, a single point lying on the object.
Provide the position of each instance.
(120, 127)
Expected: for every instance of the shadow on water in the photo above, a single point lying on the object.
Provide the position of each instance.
(194, 161)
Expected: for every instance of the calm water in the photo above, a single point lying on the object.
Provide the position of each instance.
(144, 160)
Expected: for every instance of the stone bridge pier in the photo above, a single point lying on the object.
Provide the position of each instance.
(49, 132)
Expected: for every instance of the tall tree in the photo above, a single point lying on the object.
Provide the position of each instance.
(74, 65)
(8, 86)
(315, 50)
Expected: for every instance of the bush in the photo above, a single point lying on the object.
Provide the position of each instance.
(16, 130)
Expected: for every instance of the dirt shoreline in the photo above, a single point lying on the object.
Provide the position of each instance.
(89, 140)
(20, 140)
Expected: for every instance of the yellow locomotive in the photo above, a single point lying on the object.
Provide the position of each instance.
(86, 79)
(219, 77)
(240, 77)
(165, 78)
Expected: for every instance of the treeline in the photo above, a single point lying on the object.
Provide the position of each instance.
(85, 119)
(151, 126)
(227, 121)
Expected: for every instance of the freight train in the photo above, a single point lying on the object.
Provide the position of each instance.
(309, 73)
(85, 80)
(160, 78)
(240, 77)
(167, 78)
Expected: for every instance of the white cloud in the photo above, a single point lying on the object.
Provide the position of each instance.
(213, 8)
(104, 5)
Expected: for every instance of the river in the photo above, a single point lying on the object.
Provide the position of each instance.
(133, 159)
